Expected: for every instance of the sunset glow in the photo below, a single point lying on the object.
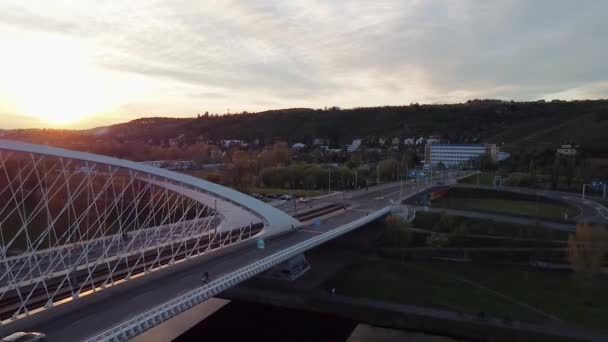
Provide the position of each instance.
(49, 78)
(81, 64)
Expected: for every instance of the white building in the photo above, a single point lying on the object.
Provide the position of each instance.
(453, 155)
(227, 143)
(568, 150)
(432, 140)
(298, 146)
(318, 141)
(354, 146)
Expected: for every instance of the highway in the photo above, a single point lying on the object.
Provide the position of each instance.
(100, 313)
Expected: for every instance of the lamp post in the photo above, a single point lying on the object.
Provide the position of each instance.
(584, 185)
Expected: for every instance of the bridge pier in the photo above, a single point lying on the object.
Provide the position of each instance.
(289, 270)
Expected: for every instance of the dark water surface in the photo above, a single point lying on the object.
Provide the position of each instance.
(243, 321)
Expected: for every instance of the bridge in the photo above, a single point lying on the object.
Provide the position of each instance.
(101, 249)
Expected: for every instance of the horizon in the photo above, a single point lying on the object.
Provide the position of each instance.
(183, 117)
(104, 64)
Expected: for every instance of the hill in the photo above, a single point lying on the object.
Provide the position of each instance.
(514, 123)
(541, 124)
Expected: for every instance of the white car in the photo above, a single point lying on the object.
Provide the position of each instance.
(25, 337)
(303, 199)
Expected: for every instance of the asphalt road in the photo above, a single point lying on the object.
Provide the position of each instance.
(499, 218)
(100, 315)
(591, 211)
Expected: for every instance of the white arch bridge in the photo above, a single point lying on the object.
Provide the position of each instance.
(79, 230)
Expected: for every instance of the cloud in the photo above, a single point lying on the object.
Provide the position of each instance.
(247, 55)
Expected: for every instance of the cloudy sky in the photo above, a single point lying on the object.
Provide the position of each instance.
(86, 63)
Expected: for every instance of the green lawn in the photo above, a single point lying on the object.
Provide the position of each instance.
(485, 178)
(475, 226)
(412, 284)
(556, 293)
(541, 210)
(464, 287)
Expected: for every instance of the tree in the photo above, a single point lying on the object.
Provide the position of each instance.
(445, 223)
(459, 232)
(387, 169)
(569, 171)
(532, 169)
(213, 177)
(355, 161)
(437, 240)
(397, 231)
(555, 172)
(587, 249)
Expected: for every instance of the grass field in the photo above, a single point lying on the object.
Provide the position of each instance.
(485, 178)
(498, 291)
(411, 284)
(541, 210)
(477, 226)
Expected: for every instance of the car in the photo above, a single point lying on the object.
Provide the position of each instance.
(22, 336)
(286, 197)
(303, 199)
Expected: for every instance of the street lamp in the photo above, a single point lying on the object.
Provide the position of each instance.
(584, 185)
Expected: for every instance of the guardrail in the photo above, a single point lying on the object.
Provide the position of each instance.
(146, 320)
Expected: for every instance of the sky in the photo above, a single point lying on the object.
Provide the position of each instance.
(81, 64)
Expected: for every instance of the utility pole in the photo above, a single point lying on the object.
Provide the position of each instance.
(329, 183)
(584, 191)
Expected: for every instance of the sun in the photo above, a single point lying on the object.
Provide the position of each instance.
(50, 78)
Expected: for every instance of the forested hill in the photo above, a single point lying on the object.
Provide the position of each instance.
(586, 122)
(514, 123)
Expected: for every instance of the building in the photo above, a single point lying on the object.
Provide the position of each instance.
(174, 165)
(354, 146)
(433, 140)
(456, 154)
(298, 147)
(318, 141)
(502, 156)
(228, 143)
(568, 150)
